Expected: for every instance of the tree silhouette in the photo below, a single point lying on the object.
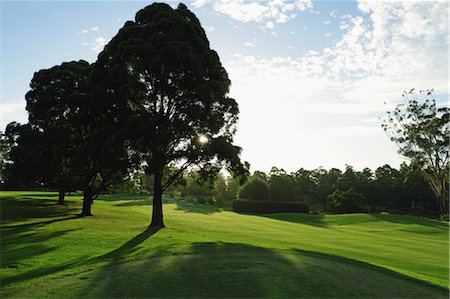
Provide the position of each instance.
(160, 79)
(421, 130)
(82, 145)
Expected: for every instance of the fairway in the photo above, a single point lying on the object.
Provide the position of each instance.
(206, 252)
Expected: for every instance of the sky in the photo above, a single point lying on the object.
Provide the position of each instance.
(312, 78)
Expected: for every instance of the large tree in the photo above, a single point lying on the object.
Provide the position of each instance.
(159, 77)
(421, 129)
(83, 149)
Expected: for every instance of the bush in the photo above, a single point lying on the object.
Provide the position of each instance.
(254, 189)
(266, 207)
(341, 202)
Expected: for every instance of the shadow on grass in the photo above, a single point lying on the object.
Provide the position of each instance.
(123, 196)
(307, 219)
(21, 209)
(225, 270)
(411, 220)
(197, 208)
(129, 247)
(135, 202)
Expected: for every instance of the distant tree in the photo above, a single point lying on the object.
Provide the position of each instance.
(261, 175)
(389, 184)
(348, 201)
(84, 146)
(417, 190)
(421, 129)
(159, 77)
(196, 187)
(365, 184)
(30, 162)
(325, 184)
(8, 140)
(254, 189)
(281, 187)
(304, 185)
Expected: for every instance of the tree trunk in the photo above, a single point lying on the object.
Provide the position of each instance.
(87, 203)
(157, 214)
(61, 195)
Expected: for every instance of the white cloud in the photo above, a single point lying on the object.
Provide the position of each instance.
(390, 47)
(209, 28)
(278, 11)
(93, 29)
(269, 25)
(333, 14)
(12, 111)
(328, 34)
(327, 22)
(249, 45)
(292, 32)
(98, 44)
(198, 3)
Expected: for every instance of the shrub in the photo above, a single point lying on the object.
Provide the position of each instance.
(266, 207)
(254, 189)
(350, 201)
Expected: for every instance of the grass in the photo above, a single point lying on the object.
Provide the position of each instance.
(206, 252)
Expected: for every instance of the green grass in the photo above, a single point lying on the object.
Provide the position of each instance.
(206, 252)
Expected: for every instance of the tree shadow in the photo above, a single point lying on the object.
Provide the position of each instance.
(411, 220)
(123, 196)
(197, 208)
(129, 247)
(135, 202)
(21, 209)
(227, 270)
(307, 219)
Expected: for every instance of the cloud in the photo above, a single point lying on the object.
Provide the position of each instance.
(198, 3)
(275, 11)
(98, 44)
(269, 25)
(249, 45)
(328, 34)
(12, 111)
(389, 47)
(93, 29)
(209, 28)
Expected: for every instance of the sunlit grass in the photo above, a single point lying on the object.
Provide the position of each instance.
(207, 252)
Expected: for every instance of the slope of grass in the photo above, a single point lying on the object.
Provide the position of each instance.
(205, 252)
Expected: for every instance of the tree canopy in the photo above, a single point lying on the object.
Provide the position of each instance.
(421, 130)
(160, 79)
(85, 152)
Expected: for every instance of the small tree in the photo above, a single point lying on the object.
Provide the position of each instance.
(255, 189)
(348, 201)
(421, 130)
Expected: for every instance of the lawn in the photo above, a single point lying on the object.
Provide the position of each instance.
(46, 251)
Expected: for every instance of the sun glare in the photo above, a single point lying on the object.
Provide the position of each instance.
(202, 139)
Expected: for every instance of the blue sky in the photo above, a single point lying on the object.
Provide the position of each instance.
(312, 78)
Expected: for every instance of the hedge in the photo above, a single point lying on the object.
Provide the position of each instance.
(266, 207)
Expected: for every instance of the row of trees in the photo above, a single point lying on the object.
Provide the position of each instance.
(156, 97)
(385, 189)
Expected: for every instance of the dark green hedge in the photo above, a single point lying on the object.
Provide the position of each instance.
(266, 207)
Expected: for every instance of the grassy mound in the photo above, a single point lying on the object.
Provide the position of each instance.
(206, 252)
